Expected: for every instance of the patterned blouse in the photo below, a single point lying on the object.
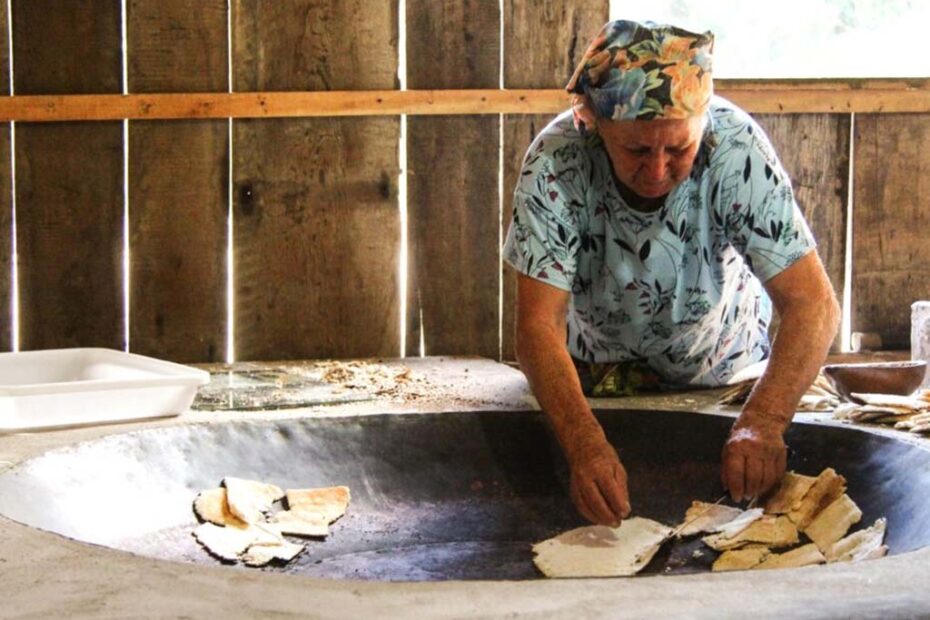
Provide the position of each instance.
(679, 288)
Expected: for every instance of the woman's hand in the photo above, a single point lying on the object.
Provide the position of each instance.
(754, 457)
(598, 485)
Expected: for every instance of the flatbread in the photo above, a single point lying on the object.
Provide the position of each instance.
(771, 530)
(329, 502)
(210, 505)
(741, 559)
(706, 517)
(746, 518)
(826, 489)
(228, 543)
(833, 522)
(892, 400)
(792, 489)
(298, 522)
(862, 545)
(806, 555)
(601, 551)
(250, 499)
(261, 554)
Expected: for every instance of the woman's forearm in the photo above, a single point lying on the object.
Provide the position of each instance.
(800, 347)
(545, 361)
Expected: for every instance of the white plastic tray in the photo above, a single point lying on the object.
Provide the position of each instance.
(75, 387)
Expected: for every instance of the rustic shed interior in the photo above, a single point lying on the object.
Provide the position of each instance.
(203, 234)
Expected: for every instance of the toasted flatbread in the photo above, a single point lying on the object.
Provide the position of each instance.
(826, 489)
(743, 520)
(893, 400)
(770, 530)
(250, 499)
(210, 505)
(329, 502)
(261, 554)
(862, 545)
(741, 559)
(792, 489)
(805, 555)
(298, 522)
(833, 522)
(601, 551)
(706, 517)
(817, 402)
(228, 543)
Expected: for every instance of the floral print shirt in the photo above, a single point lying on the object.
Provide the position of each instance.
(679, 288)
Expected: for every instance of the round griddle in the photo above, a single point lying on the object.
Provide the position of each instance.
(434, 496)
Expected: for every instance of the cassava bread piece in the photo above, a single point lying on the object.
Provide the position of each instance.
(297, 522)
(260, 554)
(743, 520)
(741, 559)
(825, 490)
(250, 499)
(805, 555)
(706, 517)
(792, 489)
(862, 545)
(229, 542)
(771, 530)
(210, 505)
(833, 522)
(903, 403)
(329, 502)
(601, 551)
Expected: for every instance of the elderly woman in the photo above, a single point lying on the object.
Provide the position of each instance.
(653, 229)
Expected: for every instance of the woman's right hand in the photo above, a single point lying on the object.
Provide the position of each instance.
(598, 484)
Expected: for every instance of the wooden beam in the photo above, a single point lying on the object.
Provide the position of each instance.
(776, 97)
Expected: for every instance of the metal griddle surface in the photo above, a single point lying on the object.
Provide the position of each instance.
(434, 496)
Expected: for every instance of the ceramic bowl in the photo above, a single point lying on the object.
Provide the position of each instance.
(876, 377)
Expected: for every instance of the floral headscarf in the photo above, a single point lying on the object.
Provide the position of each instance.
(642, 71)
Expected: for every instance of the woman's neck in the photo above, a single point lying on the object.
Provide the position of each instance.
(634, 200)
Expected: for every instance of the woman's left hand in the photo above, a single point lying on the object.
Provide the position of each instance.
(754, 457)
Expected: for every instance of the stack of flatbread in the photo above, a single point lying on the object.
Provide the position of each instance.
(238, 522)
(820, 396)
(908, 413)
(769, 537)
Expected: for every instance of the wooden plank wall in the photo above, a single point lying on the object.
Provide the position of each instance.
(453, 199)
(314, 201)
(178, 178)
(543, 42)
(814, 149)
(69, 178)
(317, 229)
(891, 217)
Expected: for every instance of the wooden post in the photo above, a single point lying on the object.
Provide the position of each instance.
(453, 162)
(178, 192)
(543, 42)
(69, 178)
(316, 225)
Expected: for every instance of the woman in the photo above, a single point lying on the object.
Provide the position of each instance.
(653, 229)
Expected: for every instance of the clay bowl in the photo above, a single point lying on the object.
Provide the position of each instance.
(876, 377)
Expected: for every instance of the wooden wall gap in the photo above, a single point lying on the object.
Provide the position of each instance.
(847, 295)
(403, 262)
(6, 26)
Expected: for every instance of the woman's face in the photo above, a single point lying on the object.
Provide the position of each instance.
(652, 157)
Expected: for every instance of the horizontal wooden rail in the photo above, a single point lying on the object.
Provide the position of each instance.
(797, 96)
